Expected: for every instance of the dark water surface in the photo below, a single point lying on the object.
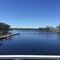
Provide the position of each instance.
(31, 42)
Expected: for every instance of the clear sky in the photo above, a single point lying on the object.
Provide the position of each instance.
(30, 13)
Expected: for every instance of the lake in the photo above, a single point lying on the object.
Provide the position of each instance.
(31, 42)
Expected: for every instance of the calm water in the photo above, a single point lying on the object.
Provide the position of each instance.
(31, 42)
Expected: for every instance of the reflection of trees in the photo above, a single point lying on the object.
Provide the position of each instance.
(9, 38)
(2, 41)
(59, 35)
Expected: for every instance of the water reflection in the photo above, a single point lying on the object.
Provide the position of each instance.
(59, 35)
(2, 41)
(31, 42)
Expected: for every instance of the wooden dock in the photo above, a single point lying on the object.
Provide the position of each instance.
(8, 35)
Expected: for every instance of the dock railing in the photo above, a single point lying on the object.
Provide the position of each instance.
(22, 57)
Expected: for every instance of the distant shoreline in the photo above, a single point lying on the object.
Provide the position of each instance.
(32, 29)
(24, 28)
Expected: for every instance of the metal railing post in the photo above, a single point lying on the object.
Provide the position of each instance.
(18, 59)
(58, 59)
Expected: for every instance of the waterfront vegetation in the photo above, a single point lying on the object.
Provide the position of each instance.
(47, 28)
(4, 28)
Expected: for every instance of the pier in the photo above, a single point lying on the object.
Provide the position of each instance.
(8, 35)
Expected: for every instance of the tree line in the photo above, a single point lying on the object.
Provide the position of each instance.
(5, 28)
(50, 28)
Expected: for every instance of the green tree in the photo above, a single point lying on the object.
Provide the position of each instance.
(47, 28)
(58, 28)
(41, 29)
(4, 27)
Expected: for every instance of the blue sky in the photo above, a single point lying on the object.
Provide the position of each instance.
(30, 13)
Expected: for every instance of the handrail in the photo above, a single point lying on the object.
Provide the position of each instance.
(21, 57)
